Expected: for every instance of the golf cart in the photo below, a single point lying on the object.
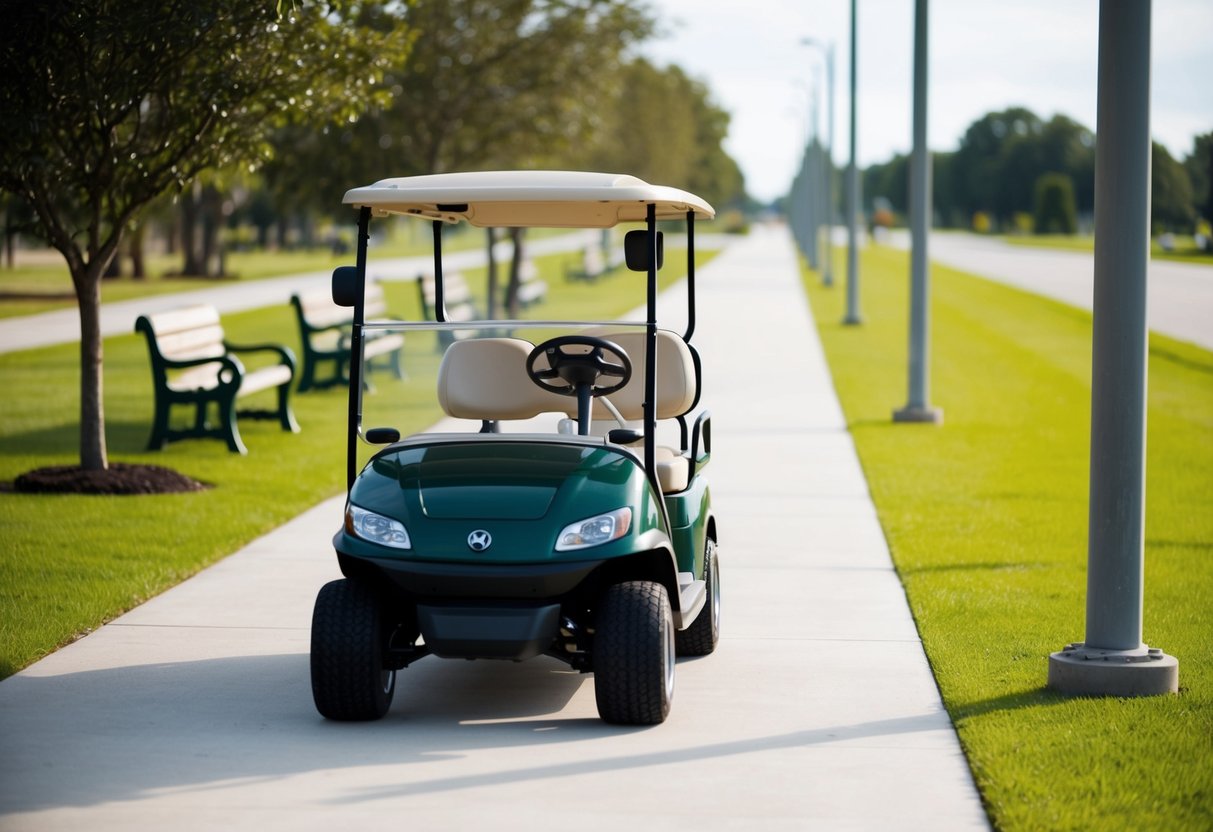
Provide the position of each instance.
(545, 517)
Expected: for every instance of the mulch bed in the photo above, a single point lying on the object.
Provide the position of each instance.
(119, 478)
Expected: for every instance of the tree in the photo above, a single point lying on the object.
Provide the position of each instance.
(1055, 209)
(662, 126)
(108, 104)
(1003, 154)
(1199, 165)
(498, 84)
(1170, 192)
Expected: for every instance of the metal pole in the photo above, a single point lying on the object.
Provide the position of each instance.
(820, 217)
(810, 158)
(828, 277)
(917, 408)
(852, 201)
(1113, 660)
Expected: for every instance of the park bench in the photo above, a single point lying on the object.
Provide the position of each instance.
(193, 364)
(592, 265)
(457, 298)
(325, 330)
(531, 288)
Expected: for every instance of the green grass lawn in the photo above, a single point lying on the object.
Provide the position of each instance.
(986, 518)
(69, 563)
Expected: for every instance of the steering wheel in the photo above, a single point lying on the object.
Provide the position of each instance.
(578, 373)
(569, 370)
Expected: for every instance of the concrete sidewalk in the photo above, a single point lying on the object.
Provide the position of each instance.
(818, 710)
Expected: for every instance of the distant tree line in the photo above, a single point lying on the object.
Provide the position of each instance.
(1014, 171)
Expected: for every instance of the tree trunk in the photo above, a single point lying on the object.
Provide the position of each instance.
(10, 239)
(93, 454)
(212, 220)
(189, 234)
(491, 287)
(135, 249)
(511, 292)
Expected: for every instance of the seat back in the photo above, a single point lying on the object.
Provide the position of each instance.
(485, 378)
(675, 377)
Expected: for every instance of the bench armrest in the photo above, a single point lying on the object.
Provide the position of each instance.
(285, 354)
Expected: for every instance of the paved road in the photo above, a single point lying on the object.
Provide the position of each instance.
(818, 710)
(1179, 299)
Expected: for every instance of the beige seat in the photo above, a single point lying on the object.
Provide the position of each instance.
(485, 378)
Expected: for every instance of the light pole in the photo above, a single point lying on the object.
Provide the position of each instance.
(827, 278)
(1113, 660)
(852, 200)
(918, 408)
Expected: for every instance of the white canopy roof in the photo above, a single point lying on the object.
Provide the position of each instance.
(528, 198)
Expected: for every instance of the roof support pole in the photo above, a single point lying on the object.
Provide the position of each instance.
(1113, 660)
(650, 353)
(355, 399)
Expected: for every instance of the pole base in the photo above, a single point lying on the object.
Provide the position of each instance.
(1089, 671)
(921, 415)
(852, 320)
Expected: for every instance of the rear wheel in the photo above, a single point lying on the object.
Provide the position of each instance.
(634, 654)
(700, 638)
(349, 638)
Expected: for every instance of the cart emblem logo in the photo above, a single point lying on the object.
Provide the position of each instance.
(479, 540)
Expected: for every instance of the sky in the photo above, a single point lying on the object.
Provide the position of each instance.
(985, 55)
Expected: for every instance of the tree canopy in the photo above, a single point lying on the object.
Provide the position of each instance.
(107, 104)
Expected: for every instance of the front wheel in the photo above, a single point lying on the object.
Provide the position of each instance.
(349, 679)
(700, 638)
(634, 654)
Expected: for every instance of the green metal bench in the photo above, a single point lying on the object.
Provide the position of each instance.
(193, 364)
(324, 329)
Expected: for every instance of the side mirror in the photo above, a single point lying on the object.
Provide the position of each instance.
(382, 436)
(636, 249)
(345, 286)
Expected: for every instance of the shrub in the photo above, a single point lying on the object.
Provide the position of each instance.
(1055, 209)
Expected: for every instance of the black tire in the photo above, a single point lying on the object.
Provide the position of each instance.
(701, 637)
(349, 679)
(634, 654)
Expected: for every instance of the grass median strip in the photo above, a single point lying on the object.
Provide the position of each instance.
(69, 563)
(986, 518)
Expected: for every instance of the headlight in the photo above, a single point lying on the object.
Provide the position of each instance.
(376, 528)
(594, 531)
